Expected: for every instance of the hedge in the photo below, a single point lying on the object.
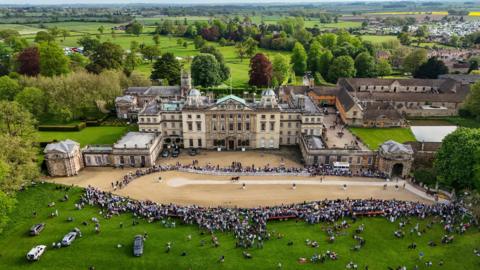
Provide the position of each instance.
(76, 127)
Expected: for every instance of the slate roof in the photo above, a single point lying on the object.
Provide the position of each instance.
(126, 98)
(345, 99)
(393, 147)
(238, 99)
(380, 110)
(352, 84)
(162, 91)
(66, 146)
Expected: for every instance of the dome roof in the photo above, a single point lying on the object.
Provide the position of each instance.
(268, 92)
(194, 93)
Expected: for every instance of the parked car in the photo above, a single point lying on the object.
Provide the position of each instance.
(35, 253)
(68, 239)
(192, 152)
(138, 246)
(36, 229)
(175, 152)
(165, 153)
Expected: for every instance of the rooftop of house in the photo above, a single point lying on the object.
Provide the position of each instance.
(66, 146)
(140, 140)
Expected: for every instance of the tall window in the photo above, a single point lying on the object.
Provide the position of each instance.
(132, 160)
(239, 126)
(199, 126)
(262, 126)
(199, 142)
(190, 142)
(230, 126)
(272, 126)
(190, 126)
(247, 126)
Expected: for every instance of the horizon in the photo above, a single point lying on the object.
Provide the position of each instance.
(188, 2)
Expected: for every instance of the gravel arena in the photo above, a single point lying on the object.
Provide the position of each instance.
(212, 190)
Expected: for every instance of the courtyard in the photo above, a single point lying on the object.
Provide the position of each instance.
(187, 188)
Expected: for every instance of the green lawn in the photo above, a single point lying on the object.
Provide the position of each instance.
(100, 250)
(374, 137)
(377, 39)
(89, 135)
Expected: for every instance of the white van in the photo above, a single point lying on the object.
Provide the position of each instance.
(341, 166)
(35, 253)
(68, 239)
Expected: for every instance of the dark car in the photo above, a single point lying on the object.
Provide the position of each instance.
(175, 152)
(138, 246)
(192, 152)
(37, 228)
(165, 153)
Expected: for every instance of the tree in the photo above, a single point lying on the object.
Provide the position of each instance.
(472, 103)
(135, 28)
(8, 88)
(250, 46)
(52, 60)
(199, 42)
(365, 65)
(78, 61)
(458, 160)
(156, 39)
(150, 52)
(29, 61)
(414, 59)
(5, 59)
(474, 63)
(299, 59)
(280, 68)
(89, 44)
(404, 38)
(224, 69)
(241, 50)
(431, 69)
(260, 71)
(324, 63)
(167, 68)
(383, 68)
(101, 29)
(65, 33)
(106, 56)
(43, 36)
(314, 55)
(205, 70)
(17, 154)
(131, 62)
(342, 67)
(33, 100)
(328, 40)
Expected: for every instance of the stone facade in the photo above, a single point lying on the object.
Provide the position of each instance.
(63, 158)
(232, 123)
(395, 159)
(136, 149)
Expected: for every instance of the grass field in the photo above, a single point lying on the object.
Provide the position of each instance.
(382, 249)
(89, 135)
(378, 39)
(239, 69)
(22, 29)
(374, 137)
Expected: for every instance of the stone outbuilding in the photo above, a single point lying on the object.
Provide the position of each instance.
(63, 158)
(395, 159)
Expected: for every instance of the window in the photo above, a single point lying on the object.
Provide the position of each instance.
(199, 142)
(272, 126)
(122, 160)
(262, 126)
(289, 124)
(198, 116)
(143, 160)
(288, 140)
(190, 128)
(222, 116)
(214, 126)
(132, 160)
(199, 126)
(247, 143)
(370, 160)
(247, 126)
(189, 116)
(214, 116)
(263, 116)
(272, 116)
(87, 158)
(222, 126)
(190, 142)
(230, 127)
(231, 116)
(247, 116)
(239, 126)
(358, 160)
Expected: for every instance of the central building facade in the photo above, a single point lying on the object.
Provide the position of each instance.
(232, 123)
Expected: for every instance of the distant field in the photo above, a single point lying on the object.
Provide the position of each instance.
(411, 13)
(377, 39)
(22, 29)
(374, 137)
(81, 27)
(239, 70)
